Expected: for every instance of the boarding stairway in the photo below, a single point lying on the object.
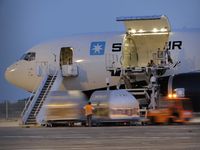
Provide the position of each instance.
(37, 99)
(142, 84)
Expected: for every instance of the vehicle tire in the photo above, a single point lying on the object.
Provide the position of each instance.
(50, 125)
(170, 121)
(71, 124)
(152, 120)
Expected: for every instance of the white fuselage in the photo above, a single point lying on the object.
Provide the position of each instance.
(92, 72)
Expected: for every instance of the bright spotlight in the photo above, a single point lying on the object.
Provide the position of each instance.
(155, 30)
(163, 29)
(140, 31)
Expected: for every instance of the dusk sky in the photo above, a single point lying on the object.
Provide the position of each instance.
(26, 23)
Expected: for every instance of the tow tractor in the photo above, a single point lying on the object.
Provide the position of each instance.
(172, 109)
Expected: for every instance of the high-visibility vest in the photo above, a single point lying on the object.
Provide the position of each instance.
(88, 109)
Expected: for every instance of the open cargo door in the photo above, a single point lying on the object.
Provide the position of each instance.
(145, 40)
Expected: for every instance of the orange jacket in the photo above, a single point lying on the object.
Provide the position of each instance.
(88, 109)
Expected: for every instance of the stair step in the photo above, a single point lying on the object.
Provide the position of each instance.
(30, 123)
(40, 99)
(31, 118)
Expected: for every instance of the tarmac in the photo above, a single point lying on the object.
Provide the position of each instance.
(97, 138)
(9, 123)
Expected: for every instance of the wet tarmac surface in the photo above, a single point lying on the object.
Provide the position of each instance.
(101, 138)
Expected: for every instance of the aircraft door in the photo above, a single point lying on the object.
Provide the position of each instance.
(66, 62)
(66, 56)
(145, 39)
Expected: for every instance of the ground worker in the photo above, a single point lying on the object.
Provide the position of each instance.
(88, 113)
(151, 64)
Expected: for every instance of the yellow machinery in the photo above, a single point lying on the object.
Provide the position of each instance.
(172, 109)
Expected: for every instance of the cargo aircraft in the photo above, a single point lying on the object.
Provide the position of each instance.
(93, 61)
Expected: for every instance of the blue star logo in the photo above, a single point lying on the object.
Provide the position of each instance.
(97, 48)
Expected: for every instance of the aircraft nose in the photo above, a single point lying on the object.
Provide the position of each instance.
(10, 73)
(20, 75)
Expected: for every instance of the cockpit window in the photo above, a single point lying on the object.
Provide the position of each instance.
(30, 56)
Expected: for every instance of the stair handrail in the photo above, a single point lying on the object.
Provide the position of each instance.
(33, 101)
(29, 99)
(137, 89)
(46, 92)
